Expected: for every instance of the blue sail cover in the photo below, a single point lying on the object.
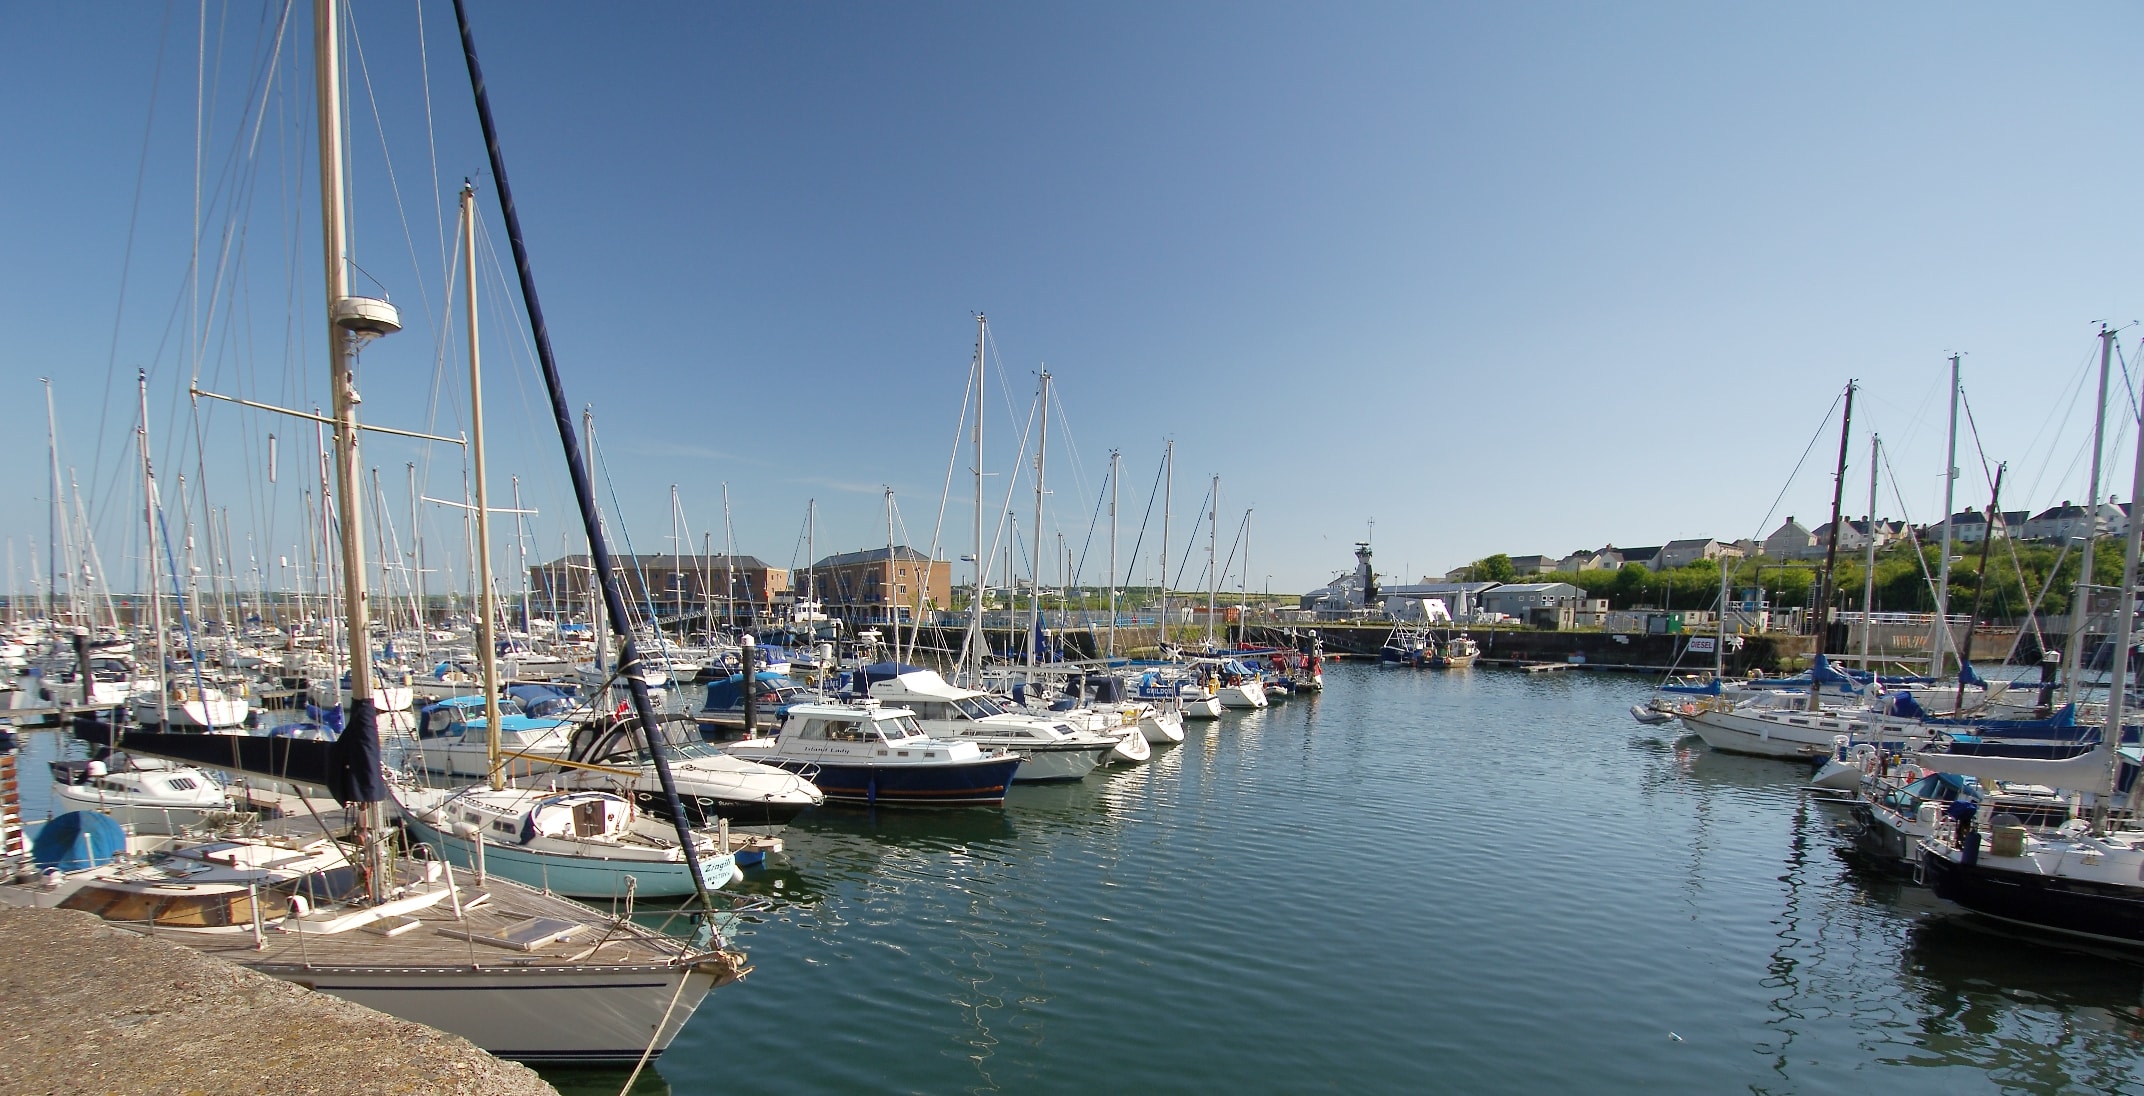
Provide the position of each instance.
(1966, 676)
(1709, 688)
(1830, 676)
(728, 693)
(78, 840)
(354, 775)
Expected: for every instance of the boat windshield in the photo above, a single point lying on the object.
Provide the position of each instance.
(899, 727)
(978, 707)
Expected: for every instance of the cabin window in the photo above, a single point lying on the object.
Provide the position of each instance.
(813, 730)
(503, 827)
(845, 730)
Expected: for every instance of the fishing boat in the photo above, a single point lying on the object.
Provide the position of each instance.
(1455, 653)
(879, 756)
(1407, 645)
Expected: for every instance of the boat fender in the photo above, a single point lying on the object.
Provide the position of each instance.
(1910, 773)
(299, 907)
(1689, 707)
(736, 876)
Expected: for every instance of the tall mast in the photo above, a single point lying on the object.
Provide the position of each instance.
(2125, 629)
(2081, 603)
(1168, 502)
(1831, 547)
(729, 559)
(416, 557)
(521, 551)
(1941, 638)
(677, 563)
(487, 643)
(1980, 584)
(350, 319)
(887, 588)
(600, 602)
(972, 647)
(156, 600)
(52, 539)
(1243, 585)
(1213, 557)
(811, 562)
(1116, 463)
(1034, 573)
(1868, 575)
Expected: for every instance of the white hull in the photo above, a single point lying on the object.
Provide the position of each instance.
(1161, 728)
(1809, 735)
(1209, 708)
(1250, 694)
(1132, 748)
(143, 815)
(1039, 765)
(473, 762)
(206, 714)
(584, 1014)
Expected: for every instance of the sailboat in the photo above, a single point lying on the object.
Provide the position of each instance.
(579, 842)
(521, 973)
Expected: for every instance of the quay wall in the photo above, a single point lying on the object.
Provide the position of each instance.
(92, 1008)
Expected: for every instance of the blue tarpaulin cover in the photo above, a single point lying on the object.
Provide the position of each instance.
(78, 840)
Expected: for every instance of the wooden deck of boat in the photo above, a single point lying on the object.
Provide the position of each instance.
(500, 925)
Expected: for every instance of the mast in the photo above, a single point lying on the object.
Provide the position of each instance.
(1213, 557)
(1941, 639)
(1243, 585)
(729, 559)
(1980, 585)
(57, 518)
(972, 646)
(487, 644)
(1168, 502)
(1831, 548)
(2124, 633)
(887, 589)
(1868, 577)
(1034, 572)
(600, 580)
(350, 320)
(2081, 602)
(156, 598)
(811, 563)
(677, 565)
(416, 560)
(1116, 463)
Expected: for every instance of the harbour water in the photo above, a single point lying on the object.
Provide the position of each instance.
(1470, 882)
(1480, 881)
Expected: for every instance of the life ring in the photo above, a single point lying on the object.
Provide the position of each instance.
(1910, 773)
(1689, 707)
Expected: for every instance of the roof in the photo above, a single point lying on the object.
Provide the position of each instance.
(1698, 542)
(1523, 588)
(1640, 555)
(873, 555)
(662, 560)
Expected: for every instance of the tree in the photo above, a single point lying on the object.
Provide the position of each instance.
(1496, 568)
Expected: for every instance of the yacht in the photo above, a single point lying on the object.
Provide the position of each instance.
(150, 794)
(1049, 749)
(711, 784)
(453, 740)
(865, 753)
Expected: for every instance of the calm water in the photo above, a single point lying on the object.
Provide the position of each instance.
(1477, 881)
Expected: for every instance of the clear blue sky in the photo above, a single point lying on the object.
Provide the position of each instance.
(1520, 278)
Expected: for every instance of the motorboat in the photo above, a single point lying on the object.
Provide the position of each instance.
(720, 715)
(452, 738)
(1050, 749)
(879, 755)
(712, 785)
(1170, 688)
(575, 842)
(150, 794)
(1455, 653)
